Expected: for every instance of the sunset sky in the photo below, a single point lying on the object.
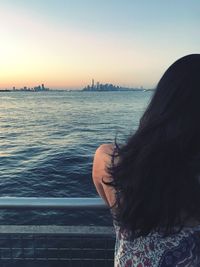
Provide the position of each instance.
(66, 43)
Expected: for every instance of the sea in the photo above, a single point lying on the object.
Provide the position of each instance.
(47, 143)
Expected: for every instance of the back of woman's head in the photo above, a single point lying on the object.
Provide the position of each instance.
(157, 175)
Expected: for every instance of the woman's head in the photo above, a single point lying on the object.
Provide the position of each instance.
(176, 102)
(157, 175)
(178, 90)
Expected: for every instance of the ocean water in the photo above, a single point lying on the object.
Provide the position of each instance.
(47, 143)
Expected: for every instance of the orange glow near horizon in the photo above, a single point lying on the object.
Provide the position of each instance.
(37, 52)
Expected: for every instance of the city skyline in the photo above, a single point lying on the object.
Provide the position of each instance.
(95, 85)
(66, 43)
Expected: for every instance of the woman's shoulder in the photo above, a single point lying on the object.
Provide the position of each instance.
(105, 149)
(104, 155)
(102, 158)
(100, 172)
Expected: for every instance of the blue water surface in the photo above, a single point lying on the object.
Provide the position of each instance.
(47, 143)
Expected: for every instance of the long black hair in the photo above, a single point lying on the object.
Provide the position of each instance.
(157, 175)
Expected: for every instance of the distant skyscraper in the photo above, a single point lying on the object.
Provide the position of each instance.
(42, 86)
(92, 83)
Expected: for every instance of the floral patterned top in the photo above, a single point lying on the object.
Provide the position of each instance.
(177, 250)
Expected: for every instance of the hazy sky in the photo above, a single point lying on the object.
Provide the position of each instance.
(66, 43)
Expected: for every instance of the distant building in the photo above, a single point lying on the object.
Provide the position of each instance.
(103, 87)
(34, 89)
(109, 87)
(92, 83)
(40, 88)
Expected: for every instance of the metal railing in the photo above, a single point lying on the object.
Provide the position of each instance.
(39, 202)
(53, 245)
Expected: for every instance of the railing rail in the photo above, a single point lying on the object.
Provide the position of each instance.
(58, 203)
(58, 230)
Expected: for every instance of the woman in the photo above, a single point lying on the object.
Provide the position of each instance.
(152, 183)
